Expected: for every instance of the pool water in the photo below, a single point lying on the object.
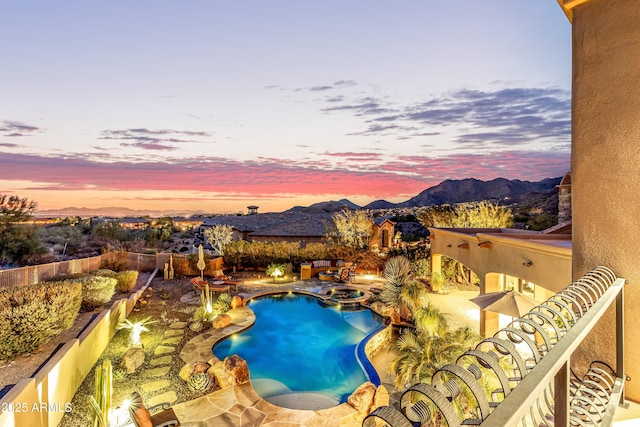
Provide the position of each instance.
(298, 346)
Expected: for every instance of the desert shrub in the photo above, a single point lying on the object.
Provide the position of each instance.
(314, 251)
(31, 315)
(116, 260)
(126, 281)
(96, 291)
(437, 281)
(104, 272)
(421, 267)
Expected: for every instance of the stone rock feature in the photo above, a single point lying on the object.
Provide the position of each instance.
(190, 369)
(381, 398)
(163, 349)
(382, 309)
(232, 371)
(221, 321)
(363, 397)
(132, 360)
(237, 301)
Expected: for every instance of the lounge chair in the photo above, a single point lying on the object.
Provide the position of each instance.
(342, 275)
(141, 416)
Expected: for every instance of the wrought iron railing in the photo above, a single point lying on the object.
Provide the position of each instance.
(521, 376)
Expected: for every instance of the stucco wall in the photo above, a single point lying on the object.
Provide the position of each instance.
(605, 163)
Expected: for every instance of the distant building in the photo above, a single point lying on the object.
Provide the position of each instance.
(383, 233)
(134, 223)
(185, 224)
(252, 210)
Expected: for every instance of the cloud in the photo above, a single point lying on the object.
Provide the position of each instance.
(505, 117)
(148, 139)
(353, 175)
(8, 145)
(11, 128)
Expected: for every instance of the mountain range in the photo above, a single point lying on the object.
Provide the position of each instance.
(450, 191)
(501, 190)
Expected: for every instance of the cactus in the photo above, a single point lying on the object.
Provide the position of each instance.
(196, 326)
(101, 401)
(199, 382)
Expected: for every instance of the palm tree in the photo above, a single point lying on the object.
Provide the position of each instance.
(431, 320)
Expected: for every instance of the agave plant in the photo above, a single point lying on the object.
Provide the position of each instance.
(136, 328)
(199, 382)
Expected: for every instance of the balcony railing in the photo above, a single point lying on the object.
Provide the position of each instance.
(529, 361)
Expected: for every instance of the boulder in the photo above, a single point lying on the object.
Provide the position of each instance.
(232, 371)
(381, 398)
(363, 397)
(382, 309)
(221, 321)
(237, 301)
(132, 359)
(191, 369)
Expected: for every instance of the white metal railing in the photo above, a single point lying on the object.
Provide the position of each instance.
(530, 359)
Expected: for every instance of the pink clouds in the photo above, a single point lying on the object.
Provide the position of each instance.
(399, 177)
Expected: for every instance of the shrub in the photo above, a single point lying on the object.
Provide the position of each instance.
(437, 281)
(116, 260)
(104, 272)
(126, 281)
(31, 315)
(96, 291)
(421, 267)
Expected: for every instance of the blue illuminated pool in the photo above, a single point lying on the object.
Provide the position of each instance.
(300, 350)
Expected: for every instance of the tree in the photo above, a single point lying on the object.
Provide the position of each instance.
(14, 210)
(353, 227)
(472, 215)
(18, 240)
(219, 236)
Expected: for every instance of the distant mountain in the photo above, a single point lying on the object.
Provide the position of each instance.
(112, 211)
(380, 204)
(473, 190)
(330, 206)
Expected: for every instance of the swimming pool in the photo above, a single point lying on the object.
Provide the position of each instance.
(301, 354)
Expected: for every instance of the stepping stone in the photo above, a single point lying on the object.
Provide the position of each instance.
(172, 341)
(155, 385)
(178, 325)
(156, 372)
(168, 397)
(173, 333)
(164, 360)
(163, 349)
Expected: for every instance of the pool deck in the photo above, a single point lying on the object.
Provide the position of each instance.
(241, 406)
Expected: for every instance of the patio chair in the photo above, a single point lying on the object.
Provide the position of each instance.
(198, 284)
(141, 416)
(342, 275)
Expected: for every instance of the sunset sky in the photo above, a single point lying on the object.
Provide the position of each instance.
(215, 105)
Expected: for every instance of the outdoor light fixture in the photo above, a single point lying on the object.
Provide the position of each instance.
(527, 263)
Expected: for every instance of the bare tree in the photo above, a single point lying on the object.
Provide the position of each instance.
(354, 227)
(219, 236)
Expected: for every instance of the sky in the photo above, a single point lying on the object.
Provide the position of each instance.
(216, 105)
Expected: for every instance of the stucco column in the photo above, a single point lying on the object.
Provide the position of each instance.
(605, 165)
(436, 263)
(489, 320)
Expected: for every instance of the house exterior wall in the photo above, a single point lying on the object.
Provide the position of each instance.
(382, 239)
(605, 164)
(529, 256)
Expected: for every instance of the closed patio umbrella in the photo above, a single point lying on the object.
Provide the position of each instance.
(510, 302)
(201, 264)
